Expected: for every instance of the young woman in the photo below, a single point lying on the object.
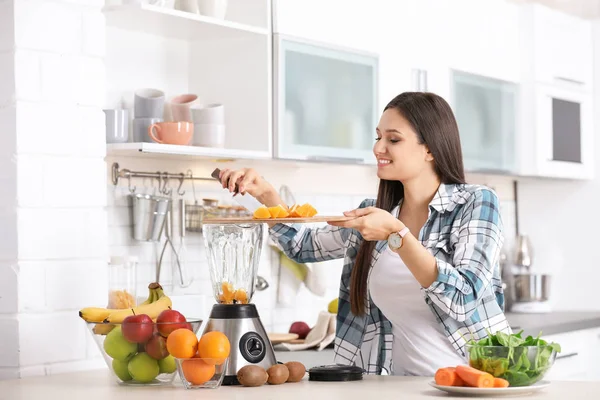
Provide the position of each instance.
(421, 272)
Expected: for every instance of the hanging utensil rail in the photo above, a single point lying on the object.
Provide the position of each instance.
(118, 173)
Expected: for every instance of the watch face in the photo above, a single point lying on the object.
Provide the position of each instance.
(395, 240)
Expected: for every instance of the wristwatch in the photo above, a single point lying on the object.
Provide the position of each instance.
(396, 238)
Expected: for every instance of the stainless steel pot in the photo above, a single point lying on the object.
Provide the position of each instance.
(149, 216)
(531, 287)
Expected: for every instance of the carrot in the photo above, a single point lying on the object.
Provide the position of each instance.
(448, 377)
(474, 377)
(500, 383)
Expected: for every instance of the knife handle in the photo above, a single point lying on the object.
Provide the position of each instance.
(215, 174)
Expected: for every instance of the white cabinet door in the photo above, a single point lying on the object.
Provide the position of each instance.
(482, 37)
(577, 360)
(562, 46)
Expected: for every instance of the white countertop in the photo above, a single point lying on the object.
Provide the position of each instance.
(99, 385)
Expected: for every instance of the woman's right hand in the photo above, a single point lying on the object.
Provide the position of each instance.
(249, 181)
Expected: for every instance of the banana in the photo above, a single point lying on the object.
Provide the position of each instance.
(99, 314)
(95, 314)
(152, 310)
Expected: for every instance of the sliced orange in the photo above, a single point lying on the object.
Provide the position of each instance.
(278, 212)
(310, 210)
(294, 211)
(262, 212)
(240, 296)
(228, 292)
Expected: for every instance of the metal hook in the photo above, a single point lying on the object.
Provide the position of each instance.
(159, 177)
(166, 191)
(181, 179)
(131, 189)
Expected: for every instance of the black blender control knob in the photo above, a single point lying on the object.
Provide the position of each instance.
(252, 347)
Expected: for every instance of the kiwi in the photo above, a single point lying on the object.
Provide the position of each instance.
(278, 374)
(252, 375)
(297, 371)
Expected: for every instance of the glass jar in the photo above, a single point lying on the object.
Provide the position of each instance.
(122, 282)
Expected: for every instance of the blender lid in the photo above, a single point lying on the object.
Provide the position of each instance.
(335, 373)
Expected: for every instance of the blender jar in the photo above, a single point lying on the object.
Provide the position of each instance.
(122, 282)
(233, 253)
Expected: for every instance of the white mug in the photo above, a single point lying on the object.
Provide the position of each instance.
(213, 8)
(208, 114)
(209, 135)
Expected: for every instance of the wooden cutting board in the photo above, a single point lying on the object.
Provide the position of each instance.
(252, 220)
(277, 338)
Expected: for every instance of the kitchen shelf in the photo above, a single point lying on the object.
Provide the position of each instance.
(176, 151)
(175, 23)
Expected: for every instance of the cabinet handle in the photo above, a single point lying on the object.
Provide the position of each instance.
(335, 159)
(568, 355)
(569, 80)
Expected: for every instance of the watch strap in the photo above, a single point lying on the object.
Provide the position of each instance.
(403, 232)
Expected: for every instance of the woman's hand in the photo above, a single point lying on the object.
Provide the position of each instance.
(249, 181)
(373, 223)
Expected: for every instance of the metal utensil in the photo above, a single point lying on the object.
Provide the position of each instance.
(531, 287)
(524, 252)
(149, 216)
(245, 200)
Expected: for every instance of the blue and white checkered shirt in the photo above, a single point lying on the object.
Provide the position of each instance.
(464, 234)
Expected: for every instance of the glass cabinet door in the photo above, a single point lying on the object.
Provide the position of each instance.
(326, 102)
(486, 113)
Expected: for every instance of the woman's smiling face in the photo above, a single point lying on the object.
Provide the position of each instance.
(400, 156)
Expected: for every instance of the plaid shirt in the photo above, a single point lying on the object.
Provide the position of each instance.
(464, 234)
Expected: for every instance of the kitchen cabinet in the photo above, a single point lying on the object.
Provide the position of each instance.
(560, 45)
(326, 101)
(181, 52)
(486, 113)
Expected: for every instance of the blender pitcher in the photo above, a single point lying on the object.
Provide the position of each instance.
(233, 252)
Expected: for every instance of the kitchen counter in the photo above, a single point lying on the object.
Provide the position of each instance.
(554, 322)
(99, 385)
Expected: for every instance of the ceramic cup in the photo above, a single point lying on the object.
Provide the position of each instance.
(180, 133)
(140, 129)
(213, 8)
(209, 135)
(208, 114)
(117, 124)
(148, 103)
(180, 107)
(188, 6)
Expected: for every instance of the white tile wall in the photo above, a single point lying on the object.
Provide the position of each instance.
(7, 26)
(7, 68)
(8, 288)
(9, 351)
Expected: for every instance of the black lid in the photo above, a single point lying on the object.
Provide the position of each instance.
(233, 311)
(335, 373)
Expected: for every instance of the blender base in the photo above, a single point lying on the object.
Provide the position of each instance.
(250, 344)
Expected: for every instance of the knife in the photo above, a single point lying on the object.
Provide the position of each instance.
(245, 200)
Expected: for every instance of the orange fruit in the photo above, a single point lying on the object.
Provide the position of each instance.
(182, 343)
(261, 213)
(306, 211)
(197, 371)
(228, 292)
(240, 296)
(278, 211)
(294, 211)
(214, 345)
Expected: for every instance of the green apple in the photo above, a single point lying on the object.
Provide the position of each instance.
(333, 306)
(167, 365)
(120, 369)
(143, 368)
(117, 347)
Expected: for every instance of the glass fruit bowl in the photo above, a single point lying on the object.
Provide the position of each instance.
(136, 353)
(201, 373)
(519, 365)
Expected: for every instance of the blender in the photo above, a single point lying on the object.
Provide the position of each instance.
(233, 253)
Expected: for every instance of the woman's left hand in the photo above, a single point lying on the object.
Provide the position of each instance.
(373, 223)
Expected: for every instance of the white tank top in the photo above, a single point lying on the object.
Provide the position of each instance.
(420, 346)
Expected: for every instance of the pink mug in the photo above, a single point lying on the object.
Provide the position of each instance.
(172, 132)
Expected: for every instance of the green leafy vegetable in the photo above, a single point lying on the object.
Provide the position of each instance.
(522, 362)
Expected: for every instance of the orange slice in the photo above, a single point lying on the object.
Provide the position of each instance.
(278, 212)
(240, 296)
(262, 212)
(228, 292)
(294, 211)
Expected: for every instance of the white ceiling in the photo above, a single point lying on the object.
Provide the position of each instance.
(589, 9)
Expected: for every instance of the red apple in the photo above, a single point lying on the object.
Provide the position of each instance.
(156, 347)
(137, 328)
(169, 321)
(300, 328)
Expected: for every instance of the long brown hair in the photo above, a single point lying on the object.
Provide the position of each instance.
(433, 121)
